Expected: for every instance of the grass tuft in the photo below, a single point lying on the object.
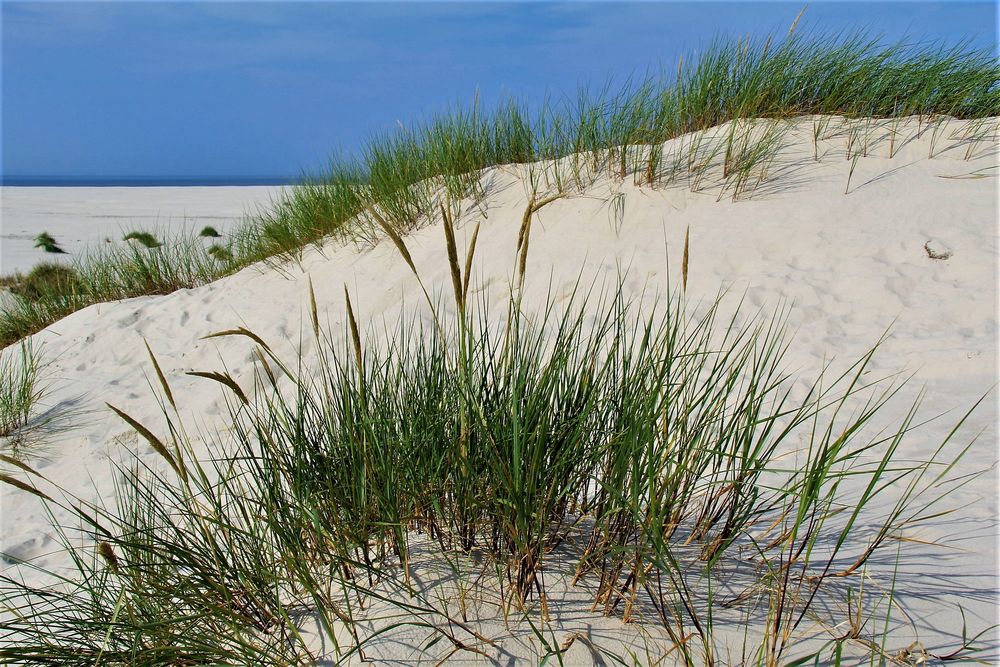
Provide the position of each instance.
(20, 388)
(660, 443)
(143, 238)
(46, 242)
(220, 253)
(44, 279)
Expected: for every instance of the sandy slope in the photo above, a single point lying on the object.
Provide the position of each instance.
(852, 265)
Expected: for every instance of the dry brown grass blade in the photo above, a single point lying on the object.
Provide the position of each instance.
(569, 640)
(153, 441)
(930, 543)
(521, 253)
(396, 239)
(409, 262)
(160, 376)
(19, 464)
(546, 201)
(523, 257)
(267, 367)
(532, 207)
(795, 23)
(525, 221)
(767, 44)
(313, 310)
(355, 340)
(456, 272)
(684, 259)
(24, 486)
(468, 262)
(525, 232)
(241, 331)
(223, 379)
(110, 557)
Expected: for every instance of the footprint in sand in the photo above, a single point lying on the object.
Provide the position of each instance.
(27, 549)
(129, 320)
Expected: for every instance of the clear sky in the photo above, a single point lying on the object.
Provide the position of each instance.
(238, 89)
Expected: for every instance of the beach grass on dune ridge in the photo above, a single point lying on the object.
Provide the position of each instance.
(399, 177)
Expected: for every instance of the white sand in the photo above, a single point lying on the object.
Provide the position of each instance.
(851, 265)
(88, 216)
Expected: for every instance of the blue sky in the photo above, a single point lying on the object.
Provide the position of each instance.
(239, 89)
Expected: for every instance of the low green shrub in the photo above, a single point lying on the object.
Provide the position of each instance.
(46, 279)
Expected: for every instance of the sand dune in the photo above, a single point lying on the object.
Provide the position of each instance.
(849, 265)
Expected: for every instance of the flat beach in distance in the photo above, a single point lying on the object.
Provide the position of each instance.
(700, 370)
(82, 216)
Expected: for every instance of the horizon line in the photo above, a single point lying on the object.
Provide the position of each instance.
(148, 180)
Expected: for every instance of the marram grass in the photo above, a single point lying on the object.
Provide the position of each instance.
(20, 389)
(657, 441)
(398, 178)
(107, 272)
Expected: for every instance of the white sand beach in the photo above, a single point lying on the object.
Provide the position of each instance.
(82, 217)
(911, 248)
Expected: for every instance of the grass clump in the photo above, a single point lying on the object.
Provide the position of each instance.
(209, 232)
(48, 293)
(20, 389)
(43, 280)
(125, 271)
(46, 242)
(658, 442)
(109, 272)
(220, 253)
(667, 446)
(143, 238)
